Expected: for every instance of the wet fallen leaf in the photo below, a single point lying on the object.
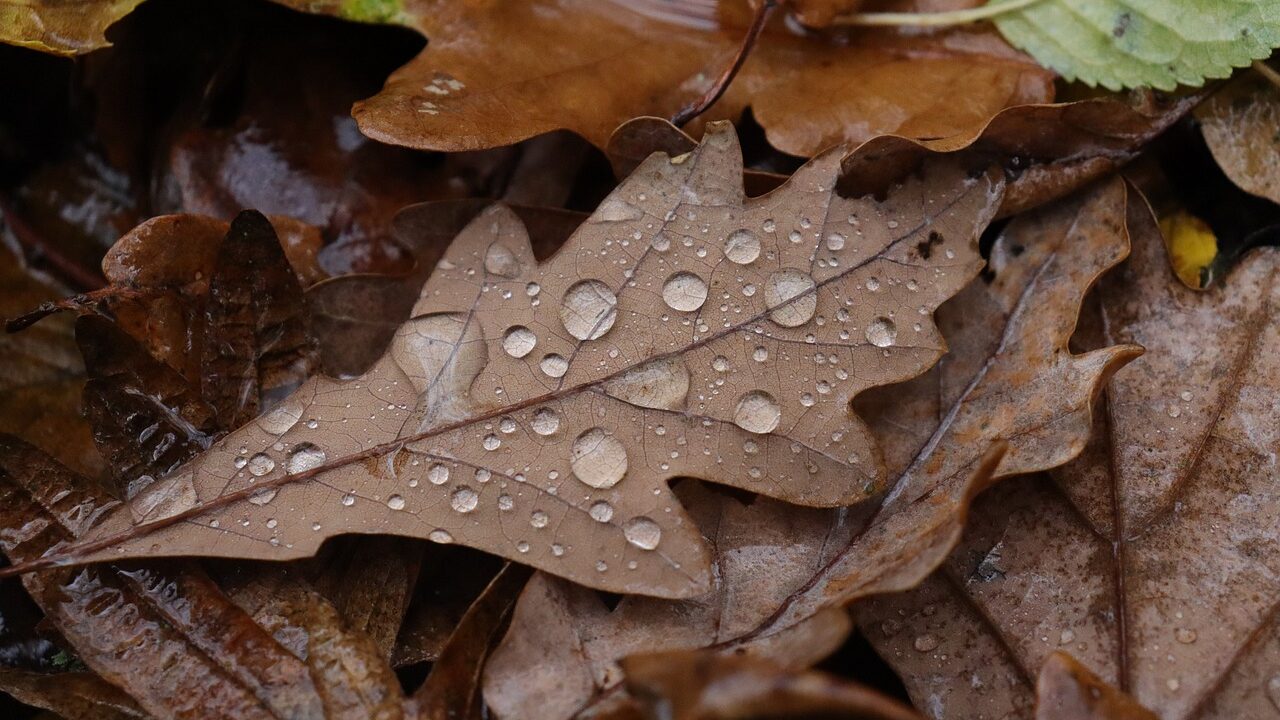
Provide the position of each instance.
(65, 27)
(700, 685)
(40, 371)
(1148, 558)
(557, 458)
(1241, 124)
(71, 695)
(1007, 377)
(485, 78)
(1067, 690)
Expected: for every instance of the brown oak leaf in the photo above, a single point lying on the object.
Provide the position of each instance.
(1007, 377)
(1147, 558)
(65, 27)
(535, 411)
(1241, 125)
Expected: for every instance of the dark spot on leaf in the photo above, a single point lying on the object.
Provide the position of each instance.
(925, 247)
(1122, 25)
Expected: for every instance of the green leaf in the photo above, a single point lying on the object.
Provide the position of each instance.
(1143, 43)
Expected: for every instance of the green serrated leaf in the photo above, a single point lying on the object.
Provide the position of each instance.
(1143, 43)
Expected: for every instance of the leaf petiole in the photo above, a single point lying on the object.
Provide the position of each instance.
(934, 19)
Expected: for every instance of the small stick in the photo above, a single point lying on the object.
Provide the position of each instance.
(696, 108)
(935, 19)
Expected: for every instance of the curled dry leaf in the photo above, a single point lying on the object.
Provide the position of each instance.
(486, 79)
(165, 635)
(702, 685)
(1147, 557)
(1241, 125)
(535, 411)
(1067, 690)
(65, 27)
(1008, 377)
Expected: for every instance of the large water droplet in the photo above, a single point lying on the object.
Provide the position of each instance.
(545, 421)
(598, 458)
(500, 260)
(395, 502)
(519, 341)
(280, 420)
(438, 474)
(882, 332)
(742, 246)
(835, 241)
(757, 412)
(539, 519)
(464, 499)
(491, 442)
(554, 365)
(790, 293)
(684, 291)
(263, 496)
(661, 384)
(261, 464)
(643, 533)
(925, 643)
(601, 511)
(589, 309)
(440, 536)
(615, 210)
(303, 458)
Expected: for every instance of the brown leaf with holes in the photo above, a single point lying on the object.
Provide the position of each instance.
(486, 78)
(536, 411)
(1067, 690)
(1007, 378)
(1148, 557)
(700, 685)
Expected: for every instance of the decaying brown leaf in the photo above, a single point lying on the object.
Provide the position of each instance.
(1008, 377)
(1067, 690)
(701, 685)
(1241, 124)
(486, 78)
(534, 411)
(1149, 557)
(72, 695)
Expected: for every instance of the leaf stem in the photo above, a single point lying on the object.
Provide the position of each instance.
(713, 93)
(935, 19)
(1265, 71)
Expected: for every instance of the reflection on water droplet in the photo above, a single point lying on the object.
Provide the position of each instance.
(492, 442)
(505, 502)
(661, 384)
(264, 496)
(742, 246)
(303, 458)
(835, 241)
(539, 519)
(507, 425)
(588, 310)
(925, 643)
(519, 341)
(261, 464)
(464, 499)
(720, 363)
(882, 332)
(438, 474)
(642, 532)
(615, 210)
(598, 459)
(1186, 636)
(684, 291)
(440, 536)
(554, 365)
(348, 500)
(281, 420)
(500, 260)
(601, 511)
(545, 421)
(757, 412)
(760, 354)
(395, 502)
(789, 292)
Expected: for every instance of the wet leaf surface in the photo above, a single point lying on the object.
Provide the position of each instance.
(1157, 537)
(462, 394)
(1008, 378)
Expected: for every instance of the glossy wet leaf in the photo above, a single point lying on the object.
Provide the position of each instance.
(536, 411)
(1147, 558)
(1144, 43)
(1008, 377)
(485, 78)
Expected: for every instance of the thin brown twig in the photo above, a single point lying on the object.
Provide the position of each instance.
(713, 93)
(70, 271)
